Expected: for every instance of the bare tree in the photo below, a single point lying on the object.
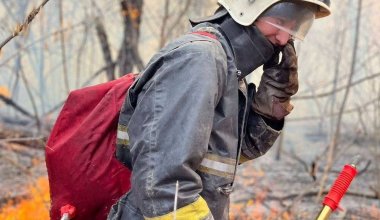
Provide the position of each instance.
(103, 40)
(167, 28)
(128, 53)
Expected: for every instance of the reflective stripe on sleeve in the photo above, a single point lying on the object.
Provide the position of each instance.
(217, 165)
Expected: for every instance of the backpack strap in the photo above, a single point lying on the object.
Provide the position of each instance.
(210, 32)
(207, 34)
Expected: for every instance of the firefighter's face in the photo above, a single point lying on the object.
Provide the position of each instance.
(277, 36)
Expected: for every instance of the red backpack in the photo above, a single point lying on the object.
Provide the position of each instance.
(80, 153)
(85, 177)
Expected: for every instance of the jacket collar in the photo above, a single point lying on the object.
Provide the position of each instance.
(251, 49)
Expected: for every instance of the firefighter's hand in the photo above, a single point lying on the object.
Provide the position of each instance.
(278, 83)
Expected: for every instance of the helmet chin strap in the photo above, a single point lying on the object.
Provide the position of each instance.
(251, 48)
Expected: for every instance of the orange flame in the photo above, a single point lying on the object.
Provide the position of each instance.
(36, 206)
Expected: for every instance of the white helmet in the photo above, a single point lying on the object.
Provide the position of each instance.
(303, 12)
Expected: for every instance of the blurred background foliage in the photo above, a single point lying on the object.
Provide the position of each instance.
(72, 44)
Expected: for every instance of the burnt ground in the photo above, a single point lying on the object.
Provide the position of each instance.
(286, 185)
(21, 162)
(263, 187)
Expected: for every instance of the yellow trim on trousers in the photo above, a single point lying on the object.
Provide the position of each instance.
(197, 210)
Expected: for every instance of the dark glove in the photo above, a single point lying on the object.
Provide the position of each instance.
(278, 83)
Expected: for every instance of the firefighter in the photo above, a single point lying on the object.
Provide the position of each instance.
(192, 118)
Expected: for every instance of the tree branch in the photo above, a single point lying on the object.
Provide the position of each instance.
(103, 40)
(351, 110)
(165, 19)
(321, 95)
(88, 81)
(16, 106)
(24, 26)
(128, 54)
(178, 18)
(63, 49)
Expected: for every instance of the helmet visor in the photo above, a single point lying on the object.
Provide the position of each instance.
(293, 18)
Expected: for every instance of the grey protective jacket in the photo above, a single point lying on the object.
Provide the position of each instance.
(186, 119)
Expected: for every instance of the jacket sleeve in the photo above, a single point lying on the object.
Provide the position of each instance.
(260, 132)
(170, 129)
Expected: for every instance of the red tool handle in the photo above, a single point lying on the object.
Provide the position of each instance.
(69, 210)
(340, 187)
